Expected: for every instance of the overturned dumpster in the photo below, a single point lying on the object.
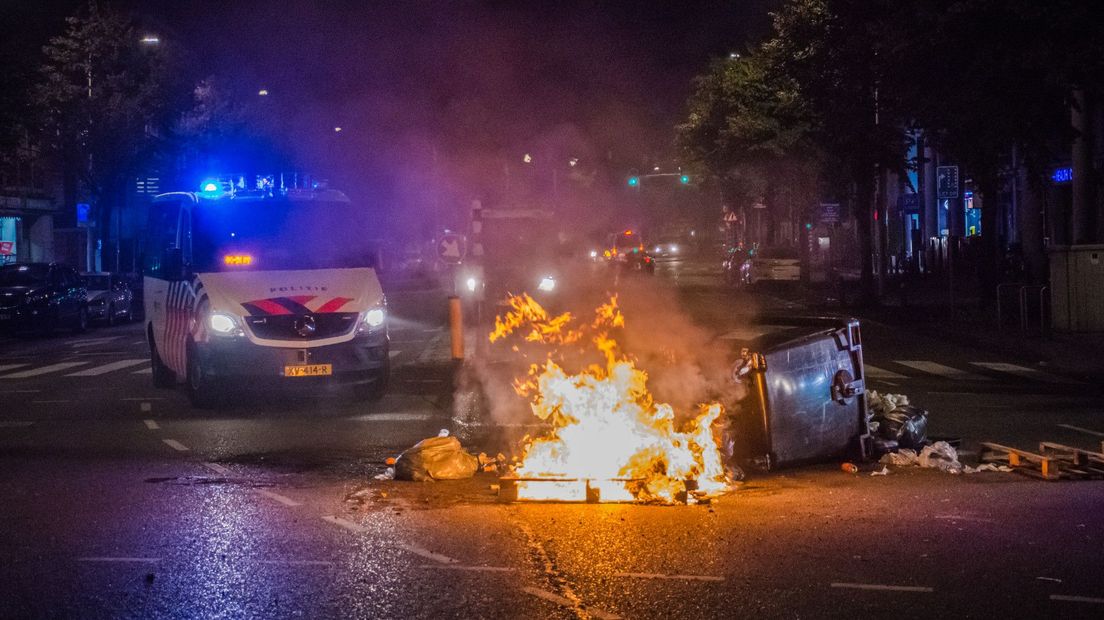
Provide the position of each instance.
(805, 399)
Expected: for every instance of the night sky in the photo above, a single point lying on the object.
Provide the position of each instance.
(473, 84)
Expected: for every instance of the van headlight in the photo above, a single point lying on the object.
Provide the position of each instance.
(547, 283)
(224, 324)
(471, 284)
(374, 318)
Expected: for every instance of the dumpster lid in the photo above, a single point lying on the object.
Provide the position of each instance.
(766, 332)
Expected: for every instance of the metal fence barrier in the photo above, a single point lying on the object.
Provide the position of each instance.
(1031, 305)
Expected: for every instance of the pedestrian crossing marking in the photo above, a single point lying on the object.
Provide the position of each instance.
(940, 370)
(91, 342)
(4, 367)
(106, 368)
(43, 370)
(1023, 371)
(880, 373)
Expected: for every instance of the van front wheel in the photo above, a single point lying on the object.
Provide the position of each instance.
(203, 390)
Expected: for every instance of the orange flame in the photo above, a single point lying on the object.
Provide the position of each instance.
(606, 428)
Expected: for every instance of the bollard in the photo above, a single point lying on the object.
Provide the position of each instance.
(456, 327)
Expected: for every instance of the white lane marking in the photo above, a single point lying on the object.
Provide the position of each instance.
(14, 424)
(144, 371)
(940, 370)
(138, 342)
(152, 424)
(175, 445)
(1082, 430)
(144, 398)
(145, 407)
(427, 554)
(119, 559)
(1024, 371)
(48, 402)
(99, 370)
(347, 524)
(488, 569)
(299, 562)
(662, 576)
(360, 529)
(4, 367)
(881, 373)
(287, 501)
(964, 517)
(218, 469)
(43, 370)
(564, 602)
(393, 354)
(1076, 599)
(394, 417)
(874, 586)
(91, 342)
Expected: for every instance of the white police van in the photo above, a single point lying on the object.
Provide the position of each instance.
(265, 287)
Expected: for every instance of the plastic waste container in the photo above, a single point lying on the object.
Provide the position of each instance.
(805, 399)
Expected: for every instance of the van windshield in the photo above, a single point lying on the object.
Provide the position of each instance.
(279, 234)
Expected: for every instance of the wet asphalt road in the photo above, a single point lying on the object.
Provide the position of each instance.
(121, 501)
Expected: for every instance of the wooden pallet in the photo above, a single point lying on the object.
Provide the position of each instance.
(1083, 463)
(1053, 462)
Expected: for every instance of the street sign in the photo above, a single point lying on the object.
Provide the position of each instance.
(452, 247)
(946, 181)
(829, 212)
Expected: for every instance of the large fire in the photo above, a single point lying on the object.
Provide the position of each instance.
(608, 437)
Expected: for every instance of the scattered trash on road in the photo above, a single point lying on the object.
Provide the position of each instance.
(895, 422)
(939, 455)
(436, 458)
(884, 471)
(850, 468)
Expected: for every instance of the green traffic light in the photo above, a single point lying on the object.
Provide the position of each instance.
(634, 181)
(684, 179)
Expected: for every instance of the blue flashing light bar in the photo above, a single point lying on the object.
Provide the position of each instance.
(1062, 175)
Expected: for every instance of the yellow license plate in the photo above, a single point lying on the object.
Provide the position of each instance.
(309, 370)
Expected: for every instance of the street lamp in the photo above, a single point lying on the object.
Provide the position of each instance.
(263, 92)
(150, 39)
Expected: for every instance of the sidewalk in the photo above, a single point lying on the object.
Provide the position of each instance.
(923, 305)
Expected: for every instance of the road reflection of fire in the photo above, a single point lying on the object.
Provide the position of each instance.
(609, 440)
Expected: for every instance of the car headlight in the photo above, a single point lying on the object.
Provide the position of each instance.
(224, 324)
(547, 283)
(471, 284)
(374, 318)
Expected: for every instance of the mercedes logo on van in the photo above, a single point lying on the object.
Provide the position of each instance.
(306, 326)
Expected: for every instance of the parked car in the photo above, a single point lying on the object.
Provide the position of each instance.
(109, 297)
(42, 296)
(773, 264)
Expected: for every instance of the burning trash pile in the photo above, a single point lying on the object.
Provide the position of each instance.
(608, 439)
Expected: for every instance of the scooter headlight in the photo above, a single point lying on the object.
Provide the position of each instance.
(547, 284)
